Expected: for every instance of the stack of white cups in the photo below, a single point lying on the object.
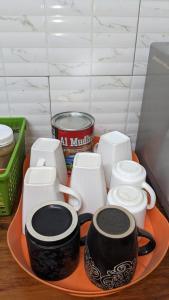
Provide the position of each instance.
(125, 179)
(111, 167)
(46, 178)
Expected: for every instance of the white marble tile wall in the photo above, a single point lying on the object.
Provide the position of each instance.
(109, 102)
(106, 97)
(114, 36)
(23, 37)
(69, 30)
(4, 104)
(101, 36)
(29, 97)
(87, 55)
(153, 27)
(134, 106)
(71, 38)
(1, 64)
(70, 93)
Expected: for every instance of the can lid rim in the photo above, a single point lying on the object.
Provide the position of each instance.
(68, 113)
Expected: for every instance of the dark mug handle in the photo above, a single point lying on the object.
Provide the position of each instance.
(83, 219)
(149, 247)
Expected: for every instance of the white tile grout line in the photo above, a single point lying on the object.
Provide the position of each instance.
(32, 76)
(50, 103)
(130, 89)
(91, 55)
(47, 56)
(114, 75)
(137, 27)
(46, 34)
(5, 82)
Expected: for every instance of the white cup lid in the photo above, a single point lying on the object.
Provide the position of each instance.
(127, 196)
(130, 169)
(6, 135)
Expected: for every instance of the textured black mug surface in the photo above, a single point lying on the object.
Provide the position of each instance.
(53, 260)
(112, 248)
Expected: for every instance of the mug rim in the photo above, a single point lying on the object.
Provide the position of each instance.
(53, 238)
(115, 236)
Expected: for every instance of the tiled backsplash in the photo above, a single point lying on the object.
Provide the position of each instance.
(29, 97)
(153, 27)
(87, 55)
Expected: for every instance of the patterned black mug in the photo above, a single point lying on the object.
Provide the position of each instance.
(112, 247)
(53, 239)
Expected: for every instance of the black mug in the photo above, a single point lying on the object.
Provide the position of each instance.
(53, 239)
(112, 247)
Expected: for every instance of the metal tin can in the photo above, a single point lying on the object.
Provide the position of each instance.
(75, 131)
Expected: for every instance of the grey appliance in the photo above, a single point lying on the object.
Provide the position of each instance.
(152, 144)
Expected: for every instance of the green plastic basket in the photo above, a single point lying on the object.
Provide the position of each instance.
(11, 178)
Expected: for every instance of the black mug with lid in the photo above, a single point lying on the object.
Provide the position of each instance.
(112, 247)
(53, 239)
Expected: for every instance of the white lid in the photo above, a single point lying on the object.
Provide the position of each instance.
(130, 170)
(6, 135)
(127, 196)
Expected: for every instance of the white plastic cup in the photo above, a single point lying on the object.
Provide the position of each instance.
(41, 184)
(48, 152)
(88, 180)
(113, 146)
(133, 198)
(128, 172)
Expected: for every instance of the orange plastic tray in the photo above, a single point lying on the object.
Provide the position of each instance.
(78, 283)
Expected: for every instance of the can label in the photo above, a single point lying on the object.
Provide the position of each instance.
(73, 142)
